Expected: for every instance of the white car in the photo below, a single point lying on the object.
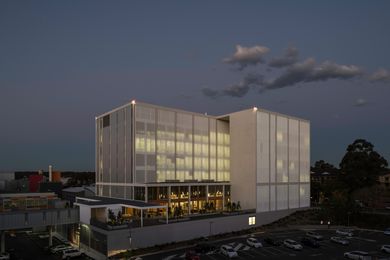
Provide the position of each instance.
(253, 242)
(292, 244)
(228, 251)
(358, 255)
(339, 240)
(386, 248)
(4, 256)
(60, 248)
(344, 232)
(314, 235)
(70, 253)
(387, 231)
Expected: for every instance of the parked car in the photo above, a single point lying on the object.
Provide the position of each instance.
(308, 241)
(292, 244)
(272, 241)
(4, 256)
(60, 248)
(358, 255)
(228, 251)
(71, 253)
(387, 231)
(204, 248)
(314, 235)
(191, 255)
(339, 240)
(344, 232)
(253, 242)
(386, 248)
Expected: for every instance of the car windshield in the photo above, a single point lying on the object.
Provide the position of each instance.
(292, 242)
(254, 240)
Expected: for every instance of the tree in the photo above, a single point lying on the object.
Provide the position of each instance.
(238, 206)
(229, 206)
(111, 216)
(119, 217)
(321, 166)
(361, 165)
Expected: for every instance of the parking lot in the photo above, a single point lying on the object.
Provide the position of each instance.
(28, 245)
(362, 240)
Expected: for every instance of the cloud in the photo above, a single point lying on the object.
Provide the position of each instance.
(380, 75)
(310, 71)
(245, 56)
(289, 57)
(360, 102)
(211, 93)
(236, 90)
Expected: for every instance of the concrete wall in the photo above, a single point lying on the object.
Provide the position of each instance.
(243, 158)
(175, 232)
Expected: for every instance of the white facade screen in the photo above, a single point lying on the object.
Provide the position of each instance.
(263, 159)
(262, 198)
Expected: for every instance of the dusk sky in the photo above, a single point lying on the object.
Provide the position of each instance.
(64, 62)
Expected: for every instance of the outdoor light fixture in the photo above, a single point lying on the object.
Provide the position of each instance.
(254, 109)
(133, 102)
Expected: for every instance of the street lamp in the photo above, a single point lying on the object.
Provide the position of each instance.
(211, 222)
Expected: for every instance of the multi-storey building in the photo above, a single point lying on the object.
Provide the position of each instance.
(154, 164)
(183, 159)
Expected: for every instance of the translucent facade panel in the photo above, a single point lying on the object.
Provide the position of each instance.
(201, 148)
(304, 194)
(106, 191)
(184, 147)
(293, 196)
(106, 151)
(129, 192)
(282, 196)
(166, 160)
(145, 143)
(114, 147)
(272, 197)
(263, 159)
(118, 192)
(272, 149)
(223, 151)
(282, 149)
(263, 198)
(128, 149)
(293, 150)
(213, 148)
(99, 150)
(121, 146)
(304, 145)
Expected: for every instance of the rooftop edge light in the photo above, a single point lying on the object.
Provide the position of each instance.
(133, 102)
(254, 109)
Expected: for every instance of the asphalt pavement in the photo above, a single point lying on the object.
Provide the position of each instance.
(363, 240)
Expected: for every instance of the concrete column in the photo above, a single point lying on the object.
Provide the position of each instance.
(50, 236)
(189, 200)
(142, 218)
(2, 246)
(166, 215)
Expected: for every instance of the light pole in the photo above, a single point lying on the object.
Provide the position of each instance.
(348, 213)
(211, 222)
(130, 236)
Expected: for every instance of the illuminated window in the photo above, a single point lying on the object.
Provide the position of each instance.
(252, 221)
